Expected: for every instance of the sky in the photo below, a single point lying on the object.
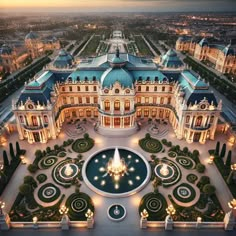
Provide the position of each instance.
(118, 5)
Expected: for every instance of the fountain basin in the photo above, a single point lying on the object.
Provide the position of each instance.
(134, 179)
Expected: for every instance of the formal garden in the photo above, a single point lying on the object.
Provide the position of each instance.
(179, 176)
(54, 178)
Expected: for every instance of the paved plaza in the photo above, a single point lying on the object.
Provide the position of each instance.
(131, 222)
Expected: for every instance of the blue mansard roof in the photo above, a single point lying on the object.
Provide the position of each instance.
(171, 60)
(63, 60)
(128, 69)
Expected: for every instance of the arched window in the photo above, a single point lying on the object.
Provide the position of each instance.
(155, 88)
(139, 88)
(86, 88)
(117, 105)
(21, 118)
(169, 100)
(162, 101)
(212, 119)
(78, 88)
(170, 89)
(34, 121)
(198, 121)
(163, 88)
(72, 100)
(45, 118)
(94, 88)
(117, 90)
(187, 119)
(107, 105)
(127, 105)
(70, 88)
(147, 88)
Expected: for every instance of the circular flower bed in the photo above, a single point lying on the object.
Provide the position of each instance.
(49, 193)
(192, 178)
(47, 162)
(184, 193)
(41, 178)
(82, 145)
(116, 212)
(155, 204)
(78, 204)
(65, 177)
(172, 177)
(150, 145)
(185, 162)
(172, 154)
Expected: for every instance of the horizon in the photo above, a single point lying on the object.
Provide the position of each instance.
(119, 6)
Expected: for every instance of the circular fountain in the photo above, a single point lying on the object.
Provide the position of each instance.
(116, 212)
(116, 172)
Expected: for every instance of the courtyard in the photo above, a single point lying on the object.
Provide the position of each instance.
(182, 190)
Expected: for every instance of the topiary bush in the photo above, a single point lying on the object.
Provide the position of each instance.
(83, 145)
(32, 168)
(200, 168)
(150, 145)
(41, 178)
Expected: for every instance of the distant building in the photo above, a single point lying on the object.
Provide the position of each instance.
(12, 58)
(116, 90)
(222, 57)
(36, 46)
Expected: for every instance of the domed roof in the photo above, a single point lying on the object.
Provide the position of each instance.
(31, 35)
(180, 39)
(171, 53)
(228, 50)
(112, 75)
(63, 60)
(5, 49)
(171, 60)
(116, 60)
(203, 42)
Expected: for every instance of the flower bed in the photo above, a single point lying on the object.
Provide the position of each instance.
(82, 145)
(151, 145)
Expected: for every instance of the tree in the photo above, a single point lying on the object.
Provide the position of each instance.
(32, 168)
(228, 159)
(217, 150)
(25, 189)
(86, 136)
(185, 150)
(18, 150)
(209, 189)
(11, 151)
(31, 181)
(48, 149)
(222, 153)
(5, 159)
(200, 167)
(204, 180)
(38, 154)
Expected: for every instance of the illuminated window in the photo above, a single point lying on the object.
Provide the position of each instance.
(187, 119)
(21, 118)
(117, 105)
(199, 121)
(95, 99)
(127, 105)
(107, 105)
(169, 100)
(72, 100)
(45, 119)
(162, 101)
(87, 99)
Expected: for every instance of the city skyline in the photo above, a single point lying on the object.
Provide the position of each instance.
(118, 6)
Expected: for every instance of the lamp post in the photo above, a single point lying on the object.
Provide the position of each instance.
(23, 161)
(143, 221)
(4, 218)
(63, 210)
(230, 217)
(170, 210)
(169, 221)
(65, 219)
(35, 222)
(2, 205)
(211, 159)
(90, 221)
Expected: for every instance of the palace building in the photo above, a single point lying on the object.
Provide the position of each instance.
(116, 90)
(222, 57)
(36, 46)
